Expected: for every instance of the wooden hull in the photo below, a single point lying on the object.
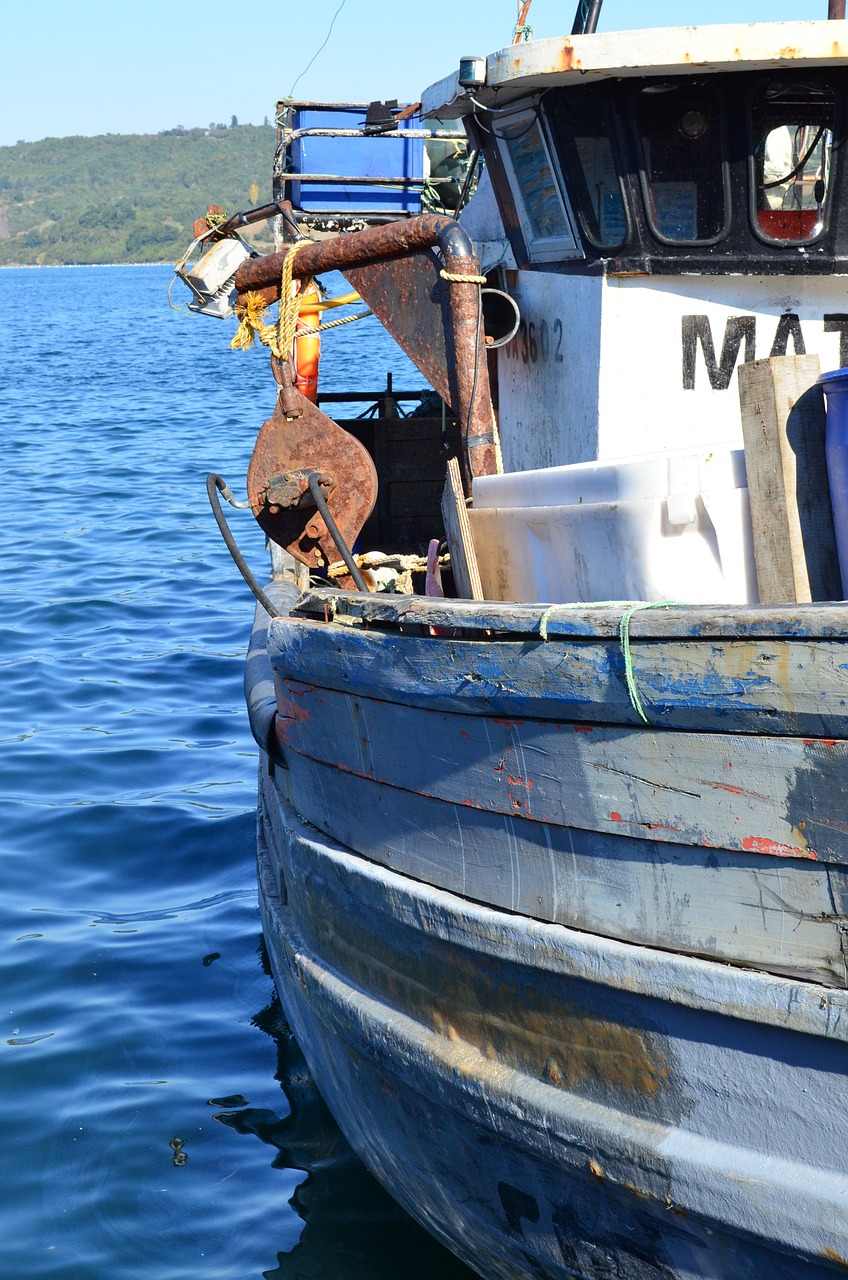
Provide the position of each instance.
(501, 931)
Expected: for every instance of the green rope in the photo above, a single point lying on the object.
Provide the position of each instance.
(624, 637)
(631, 607)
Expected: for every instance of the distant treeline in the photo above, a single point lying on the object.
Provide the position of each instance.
(126, 198)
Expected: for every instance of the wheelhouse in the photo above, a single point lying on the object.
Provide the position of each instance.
(656, 168)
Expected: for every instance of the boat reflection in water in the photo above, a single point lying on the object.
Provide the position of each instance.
(353, 1230)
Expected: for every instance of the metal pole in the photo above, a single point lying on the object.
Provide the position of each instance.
(836, 9)
(586, 18)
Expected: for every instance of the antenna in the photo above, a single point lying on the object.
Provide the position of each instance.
(588, 12)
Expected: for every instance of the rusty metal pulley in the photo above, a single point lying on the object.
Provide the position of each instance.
(297, 441)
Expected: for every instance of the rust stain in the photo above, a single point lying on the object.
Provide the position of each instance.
(616, 817)
(583, 728)
(463, 733)
(518, 781)
(596, 1170)
(762, 844)
(789, 51)
(508, 1023)
(833, 1256)
(292, 709)
(567, 59)
(507, 724)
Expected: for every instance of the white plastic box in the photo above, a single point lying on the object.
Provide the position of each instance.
(669, 526)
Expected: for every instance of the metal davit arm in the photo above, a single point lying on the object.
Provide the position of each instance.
(435, 318)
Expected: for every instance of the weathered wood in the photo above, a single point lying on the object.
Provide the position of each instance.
(466, 575)
(784, 797)
(492, 617)
(783, 424)
(705, 902)
(745, 685)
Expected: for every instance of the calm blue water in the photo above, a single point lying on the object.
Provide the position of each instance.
(157, 1118)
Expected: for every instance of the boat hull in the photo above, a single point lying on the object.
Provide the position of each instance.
(510, 977)
(548, 1103)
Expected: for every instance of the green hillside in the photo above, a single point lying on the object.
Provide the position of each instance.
(127, 198)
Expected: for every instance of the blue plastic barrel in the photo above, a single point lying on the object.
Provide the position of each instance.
(835, 387)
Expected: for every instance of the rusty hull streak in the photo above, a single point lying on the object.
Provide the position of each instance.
(467, 374)
(569, 1046)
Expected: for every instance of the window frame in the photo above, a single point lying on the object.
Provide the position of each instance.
(539, 248)
(703, 85)
(774, 242)
(550, 133)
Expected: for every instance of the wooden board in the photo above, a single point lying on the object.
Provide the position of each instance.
(747, 685)
(466, 575)
(563, 620)
(783, 424)
(752, 911)
(780, 797)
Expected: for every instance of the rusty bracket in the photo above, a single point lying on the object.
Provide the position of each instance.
(291, 489)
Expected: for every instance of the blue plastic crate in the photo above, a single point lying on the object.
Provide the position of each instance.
(374, 156)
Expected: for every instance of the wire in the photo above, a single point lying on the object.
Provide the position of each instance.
(793, 173)
(315, 55)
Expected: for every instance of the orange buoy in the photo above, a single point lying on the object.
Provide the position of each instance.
(307, 350)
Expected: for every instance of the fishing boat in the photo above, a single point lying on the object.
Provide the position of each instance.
(553, 834)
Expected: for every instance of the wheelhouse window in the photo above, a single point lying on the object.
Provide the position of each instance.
(542, 208)
(792, 126)
(580, 130)
(684, 174)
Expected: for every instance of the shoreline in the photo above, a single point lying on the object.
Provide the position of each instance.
(52, 266)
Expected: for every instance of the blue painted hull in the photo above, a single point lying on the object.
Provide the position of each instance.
(520, 1008)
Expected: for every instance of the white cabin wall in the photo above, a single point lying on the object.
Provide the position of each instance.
(610, 382)
(548, 374)
(644, 404)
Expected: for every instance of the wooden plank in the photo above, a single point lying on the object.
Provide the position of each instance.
(466, 575)
(783, 797)
(790, 686)
(783, 424)
(718, 622)
(702, 902)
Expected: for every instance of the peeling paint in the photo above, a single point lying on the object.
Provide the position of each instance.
(760, 844)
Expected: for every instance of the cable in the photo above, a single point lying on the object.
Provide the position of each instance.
(341, 545)
(213, 484)
(312, 59)
(800, 166)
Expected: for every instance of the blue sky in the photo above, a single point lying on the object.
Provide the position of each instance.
(100, 66)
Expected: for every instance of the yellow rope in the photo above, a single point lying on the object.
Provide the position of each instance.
(280, 336)
(344, 301)
(455, 279)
